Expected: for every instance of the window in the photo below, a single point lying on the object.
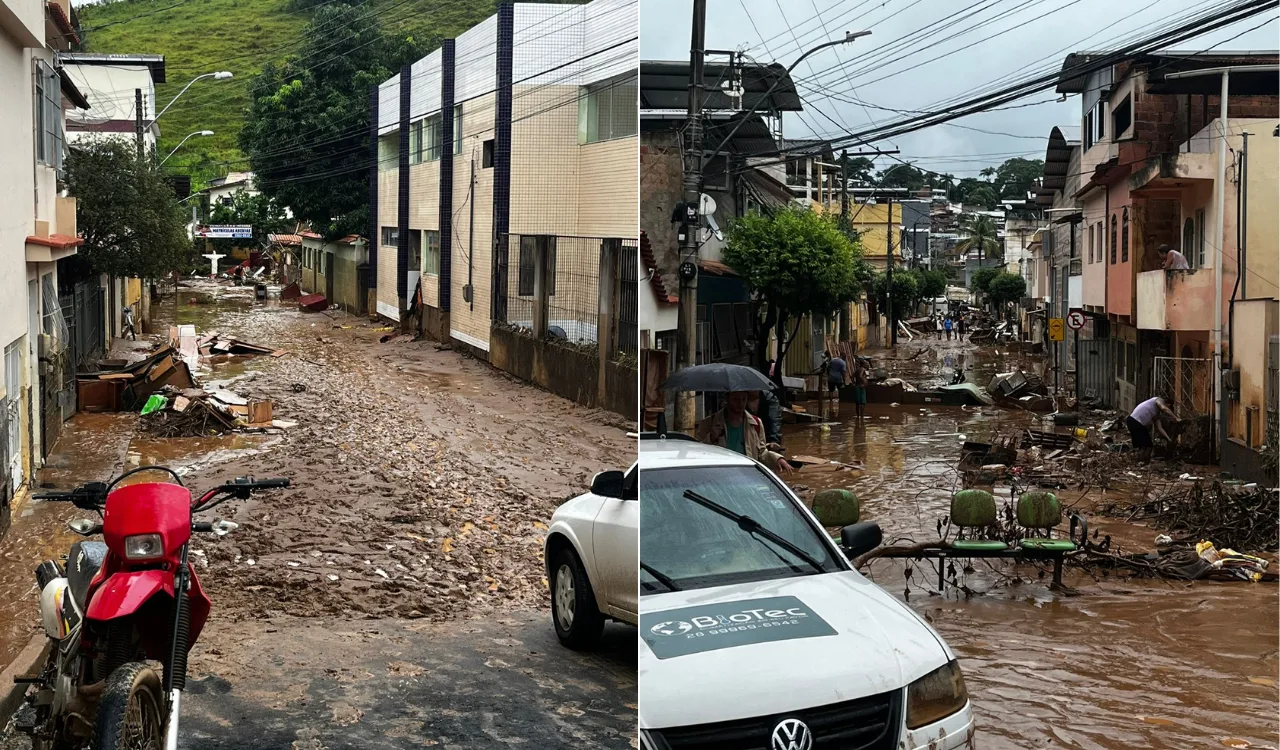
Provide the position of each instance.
(609, 109)
(431, 251)
(486, 157)
(388, 151)
(457, 129)
(415, 142)
(1200, 244)
(1124, 236)
(528, 260)
(1113, 239)
(415, 251)
(48, 112)
(431, 138)
(390, 237)
(1189, 240)
(1122, 117)
(1100, 121)
(1090, 243)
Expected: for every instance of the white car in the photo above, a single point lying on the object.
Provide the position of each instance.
(758, 633)
(590, 553)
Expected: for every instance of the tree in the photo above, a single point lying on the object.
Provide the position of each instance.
(126, 211)
(982, 195)
(306, 130)
(1006, 287)
(861, 170)
(979, 233)
(930, 283)
(905, 293)
(903, 175)
(795, 262)
(981, 281)
(1016, 176)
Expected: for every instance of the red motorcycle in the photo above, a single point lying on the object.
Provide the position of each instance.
(122, 616)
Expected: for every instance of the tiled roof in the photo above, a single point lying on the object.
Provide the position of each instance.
(655, 279)
(285, 239)
(62, 22)
(56, 241)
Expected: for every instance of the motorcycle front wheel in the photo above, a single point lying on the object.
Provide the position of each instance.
(131, 713)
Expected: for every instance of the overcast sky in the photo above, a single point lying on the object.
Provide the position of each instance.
(1033, 35)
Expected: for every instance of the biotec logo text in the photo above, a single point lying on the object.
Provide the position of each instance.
(746, 618)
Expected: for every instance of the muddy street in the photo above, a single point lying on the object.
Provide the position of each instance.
(422, 484)
(1113, 663)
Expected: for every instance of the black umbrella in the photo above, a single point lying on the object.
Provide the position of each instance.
(717, 377)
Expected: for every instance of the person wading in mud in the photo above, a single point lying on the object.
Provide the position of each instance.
(947, 324)
(860, 379)
(739, 430)
(1145, 416)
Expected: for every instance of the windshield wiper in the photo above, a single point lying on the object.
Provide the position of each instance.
(753, 527)
(662, 578)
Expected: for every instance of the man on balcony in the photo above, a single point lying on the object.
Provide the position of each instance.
(1172, 260)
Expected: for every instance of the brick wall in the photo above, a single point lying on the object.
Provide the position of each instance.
(661, 173)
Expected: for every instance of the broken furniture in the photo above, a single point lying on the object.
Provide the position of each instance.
(128, 387)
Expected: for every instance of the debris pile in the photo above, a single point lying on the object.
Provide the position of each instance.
(122, 386)
(193, 412)
(1232, 514)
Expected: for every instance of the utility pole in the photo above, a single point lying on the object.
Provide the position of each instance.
(844, 190)
(888, 254)
(137, 121)
(687, 322)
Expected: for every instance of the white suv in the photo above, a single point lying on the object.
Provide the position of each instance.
(591, 555)
(757, 631)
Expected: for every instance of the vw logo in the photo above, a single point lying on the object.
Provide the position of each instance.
(791, 734)
(679, 627)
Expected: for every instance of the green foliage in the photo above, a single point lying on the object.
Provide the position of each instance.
(306, 130)
(1006, 287)
(126, 211)
(980, 234)
(1016, 176)
(260, 211)
(905, 292)
(931, 284)
(903, 175)
(796, 260)
(982, 195)
(982, 279)
(242, 36)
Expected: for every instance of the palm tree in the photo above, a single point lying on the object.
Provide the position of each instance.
(980, 234)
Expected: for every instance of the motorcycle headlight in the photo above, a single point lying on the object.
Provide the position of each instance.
(936, 696)
(143, 546)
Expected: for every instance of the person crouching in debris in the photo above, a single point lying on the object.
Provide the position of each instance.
(739, 430)
(764, 404)
(128, 324)
(1147, 415)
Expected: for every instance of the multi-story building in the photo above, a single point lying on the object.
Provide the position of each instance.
(1147, 178)
(113, 84)
(506, 153)
(36, 216)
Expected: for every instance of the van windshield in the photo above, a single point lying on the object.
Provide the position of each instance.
(686, 545)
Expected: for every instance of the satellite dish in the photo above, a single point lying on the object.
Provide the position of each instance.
(707, 205)
(715, 228)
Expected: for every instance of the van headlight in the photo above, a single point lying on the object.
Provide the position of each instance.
(143, 546)
(936, 696)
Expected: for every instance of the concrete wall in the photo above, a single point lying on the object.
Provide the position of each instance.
(659, 191)
(1262, 244)
(472, 246)
(17, 190)
(1256, 321)
(566, 371)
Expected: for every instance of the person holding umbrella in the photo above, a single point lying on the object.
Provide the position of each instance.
(740, 431)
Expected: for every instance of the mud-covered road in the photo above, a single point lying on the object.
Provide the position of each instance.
(1113, 664)
(423, 482)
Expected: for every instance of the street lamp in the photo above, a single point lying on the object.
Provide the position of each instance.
(221, 75)
(184, 140)
(849, 36)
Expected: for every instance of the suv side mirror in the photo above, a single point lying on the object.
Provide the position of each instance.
(608, 484)
(859, 538)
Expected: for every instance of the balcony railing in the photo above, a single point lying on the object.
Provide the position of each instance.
(1175, 300)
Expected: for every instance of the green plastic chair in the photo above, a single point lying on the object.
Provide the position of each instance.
(974, 509)
(1041, 512)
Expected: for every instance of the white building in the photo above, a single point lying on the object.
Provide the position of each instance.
(111, 84)
(221, 189)
(37, 217)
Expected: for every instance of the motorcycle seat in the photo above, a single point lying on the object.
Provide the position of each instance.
(83, 562)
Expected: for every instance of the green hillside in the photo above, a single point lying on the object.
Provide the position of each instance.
(204, 36)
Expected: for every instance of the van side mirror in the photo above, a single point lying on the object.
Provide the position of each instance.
(608, 484)
(859, 538)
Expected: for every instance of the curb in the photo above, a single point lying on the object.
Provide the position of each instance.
(11, 693)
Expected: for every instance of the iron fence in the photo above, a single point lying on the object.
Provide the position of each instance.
(628, 265)
(1184, 383)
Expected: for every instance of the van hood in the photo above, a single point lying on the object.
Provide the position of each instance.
(762, 648)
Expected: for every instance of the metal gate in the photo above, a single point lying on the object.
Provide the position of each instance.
(628, 298)
(1185, 384)
(1094, 377)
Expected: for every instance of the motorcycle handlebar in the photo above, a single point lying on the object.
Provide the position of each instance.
(263, 484)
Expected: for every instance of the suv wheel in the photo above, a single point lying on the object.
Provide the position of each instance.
(578, 622)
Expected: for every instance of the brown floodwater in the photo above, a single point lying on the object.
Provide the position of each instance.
(1113, 663)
